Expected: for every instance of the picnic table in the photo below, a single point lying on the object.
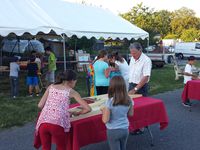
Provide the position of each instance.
(90, 129)
(191, 91)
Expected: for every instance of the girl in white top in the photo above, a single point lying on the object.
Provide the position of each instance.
(122, 65)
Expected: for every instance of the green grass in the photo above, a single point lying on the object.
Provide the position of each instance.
(163, 79)
(17, 112)
(24, 109)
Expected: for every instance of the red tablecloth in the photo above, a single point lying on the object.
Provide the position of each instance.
(147, 111)
(191, 90)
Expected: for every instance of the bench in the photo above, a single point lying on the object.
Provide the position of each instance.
(179, 68)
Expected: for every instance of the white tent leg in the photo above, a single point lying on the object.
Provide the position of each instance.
(64, 52)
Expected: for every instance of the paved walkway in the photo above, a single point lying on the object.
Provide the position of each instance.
(183, 132)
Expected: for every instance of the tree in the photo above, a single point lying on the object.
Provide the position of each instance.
(141, 16)
(166, 24)
(82, 43)
(154, 22)
(184, 19)
(190, 35)
(162, 19)
(171, 36)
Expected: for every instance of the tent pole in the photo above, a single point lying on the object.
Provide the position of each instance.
(1, 49)
(75, 45)
(64, 52)
(13, 48)
(148, 42)
(75, 49)
(29, 42)
(18, 44)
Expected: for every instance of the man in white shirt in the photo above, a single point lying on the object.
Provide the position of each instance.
(140, 70)
(188, 75)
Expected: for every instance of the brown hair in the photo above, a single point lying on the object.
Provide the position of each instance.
(101, 54)
(117, 91)
(68, 75)
(117, 56)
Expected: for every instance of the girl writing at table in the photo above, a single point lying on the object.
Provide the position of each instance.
(115, 113)
(54, 120)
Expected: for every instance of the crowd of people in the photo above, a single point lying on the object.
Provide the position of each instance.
(136, 74)
(112, 75)
(35, 68)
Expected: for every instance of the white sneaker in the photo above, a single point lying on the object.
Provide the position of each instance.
(187, 104)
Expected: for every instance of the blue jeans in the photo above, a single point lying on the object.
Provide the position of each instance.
(143, 90)
(14, 83)
(117, 138)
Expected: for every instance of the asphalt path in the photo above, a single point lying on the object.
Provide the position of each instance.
(183, 132)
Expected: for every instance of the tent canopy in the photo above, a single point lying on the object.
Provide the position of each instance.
(34, 16)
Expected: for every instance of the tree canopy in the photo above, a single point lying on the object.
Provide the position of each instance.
(179, 24)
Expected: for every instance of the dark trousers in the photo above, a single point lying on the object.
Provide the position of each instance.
(102, 90)
(117, 138)
(143, 90)
(14, 83)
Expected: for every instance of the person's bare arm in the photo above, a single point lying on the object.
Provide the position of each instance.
(130, 111)
(190, 74)
(140, 84)
(85, 107)
(107, 72)
(43, 99)
(105, 114)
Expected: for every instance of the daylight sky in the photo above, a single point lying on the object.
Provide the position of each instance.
(121, 6)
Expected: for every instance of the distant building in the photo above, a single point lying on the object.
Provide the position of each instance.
(98, 45)
(56, 45)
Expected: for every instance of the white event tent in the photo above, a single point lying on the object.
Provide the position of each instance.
(65, 19)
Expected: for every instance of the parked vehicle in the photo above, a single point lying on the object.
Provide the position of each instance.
(150, 48)
(186, 49)
(160, 56)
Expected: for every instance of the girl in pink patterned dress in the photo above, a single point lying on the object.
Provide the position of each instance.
(54, 120)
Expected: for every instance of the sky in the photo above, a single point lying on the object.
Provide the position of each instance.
(122, 6)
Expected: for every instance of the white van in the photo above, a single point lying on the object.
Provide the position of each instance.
(187, 49)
